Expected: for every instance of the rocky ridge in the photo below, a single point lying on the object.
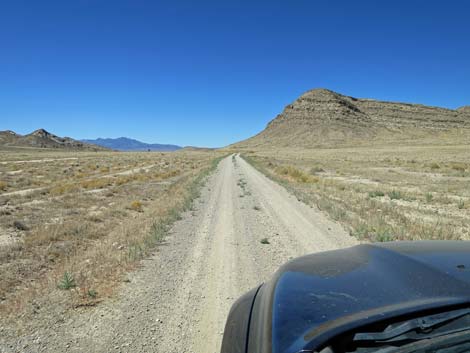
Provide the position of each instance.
(321, 117)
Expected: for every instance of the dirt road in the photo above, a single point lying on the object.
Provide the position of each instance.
(178, 301)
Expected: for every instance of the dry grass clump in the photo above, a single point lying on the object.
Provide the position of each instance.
(60, 189)
(96, 183)
(295, 174)
(460, 167)
(3, 186)
(121, 180)
(136, 206)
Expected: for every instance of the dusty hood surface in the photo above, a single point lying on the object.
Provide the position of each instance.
(315, 297)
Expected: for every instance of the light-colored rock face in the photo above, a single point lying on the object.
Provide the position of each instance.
(324, 118)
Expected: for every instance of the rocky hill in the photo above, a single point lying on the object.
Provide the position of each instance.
(323, 118)
(43, 139)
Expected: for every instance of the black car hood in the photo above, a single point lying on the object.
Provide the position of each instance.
(314, 297)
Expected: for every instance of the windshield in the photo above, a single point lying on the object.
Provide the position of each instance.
(443, 332)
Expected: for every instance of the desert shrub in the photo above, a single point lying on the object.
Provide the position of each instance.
(376, 193)
(20, 225)
(434, 166)
(121, 180)
(91, 293)
(95, 218)
(282, 170)
(460, 167)
(461, 204)
(383, 235)
(3, 186)
(136, 251)
(264, 241)
(395, 195)
(338, 213)
(95, 183)
(81, 175)
(67, 281)
(295, 174)
(158, 231)
(61, 189)
(136, 206)
(429, 197)
(360, 231)
(315, 170)
(174, 215)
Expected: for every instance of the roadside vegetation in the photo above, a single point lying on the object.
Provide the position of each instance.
(380, 194)
(88, 220)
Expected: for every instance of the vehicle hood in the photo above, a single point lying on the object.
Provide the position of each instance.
(315, 297)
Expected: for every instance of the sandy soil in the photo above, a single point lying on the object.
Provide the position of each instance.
(23, 192)
(179, 299)
(39, 160)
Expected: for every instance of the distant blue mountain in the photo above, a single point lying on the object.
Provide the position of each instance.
(127, 144)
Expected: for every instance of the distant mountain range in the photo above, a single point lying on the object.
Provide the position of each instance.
(44, 139)
(128, 144)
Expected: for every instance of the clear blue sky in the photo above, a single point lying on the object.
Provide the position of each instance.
(210, 73)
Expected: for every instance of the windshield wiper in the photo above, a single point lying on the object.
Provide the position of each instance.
(416, 329)
(450, 343)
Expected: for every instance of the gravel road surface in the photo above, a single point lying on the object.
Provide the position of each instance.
(179, 299)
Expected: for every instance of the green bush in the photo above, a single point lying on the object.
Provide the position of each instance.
(92, 293)
(376, 193)
(67, 281)
(383, 236)
(429, 197)
(360, 231)
(395, 195)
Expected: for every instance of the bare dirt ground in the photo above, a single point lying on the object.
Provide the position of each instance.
(179, 299)
(380, 193)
